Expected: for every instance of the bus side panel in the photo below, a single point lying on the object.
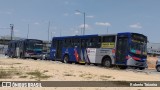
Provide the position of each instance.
(84, 57)
(72, 53)
(102, 52)
(95, 55)
(53, 53)
(76, 54)
(91, 52)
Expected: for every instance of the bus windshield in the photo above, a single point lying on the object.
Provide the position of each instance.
(34, 46)
(138, 47)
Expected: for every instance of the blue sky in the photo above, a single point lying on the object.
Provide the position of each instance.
(141, 16)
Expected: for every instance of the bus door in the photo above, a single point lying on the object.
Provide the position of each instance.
(121, 50)
(83, 54)
(58, 49)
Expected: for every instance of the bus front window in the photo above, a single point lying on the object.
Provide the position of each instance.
(138, 48)
(38, 46)
(34, 46)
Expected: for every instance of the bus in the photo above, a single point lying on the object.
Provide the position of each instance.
(26, 48)
(122, 49)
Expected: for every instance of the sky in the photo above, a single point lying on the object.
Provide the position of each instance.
(101, 17)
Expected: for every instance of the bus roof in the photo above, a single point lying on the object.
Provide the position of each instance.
(83, 36)
(14, 41)
(86, 36)
(128, 33)
(94, 35)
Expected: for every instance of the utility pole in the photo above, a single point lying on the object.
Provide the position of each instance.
(84, 16)
(48, 30)
(12, 26)
(81, 30)
(60, 32)
(28, 31)
(107, 30)
(84, 23)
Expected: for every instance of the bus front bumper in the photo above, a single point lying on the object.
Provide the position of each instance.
(33, 56)
(135, 63)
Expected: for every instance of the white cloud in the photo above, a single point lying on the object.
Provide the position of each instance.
(136, 26)
(86, 26)
(77, 13)
(90, 16)
(103, 23)
(76, 32)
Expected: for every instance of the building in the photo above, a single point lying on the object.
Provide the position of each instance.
(153, 48)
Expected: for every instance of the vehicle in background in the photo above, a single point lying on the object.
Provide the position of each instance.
(5, 53)
(122, 49)
(45, 56)
(158, 64)
(26, 48)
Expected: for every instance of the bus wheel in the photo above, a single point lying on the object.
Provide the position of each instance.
(106, 62)
(123, 67)
(141, 68)
(35, 58)
(158, 68)
(95, 64)
(20, 56)
(66, 59)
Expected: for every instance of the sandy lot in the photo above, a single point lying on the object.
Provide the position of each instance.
(31, 70)
(151, 61)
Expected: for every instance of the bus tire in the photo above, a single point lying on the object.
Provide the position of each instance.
(122, 67)
(158, 68)
(20, 55)
(66, 59)
(95, 64)
(141, 68)
(35, 58)
(106, 62)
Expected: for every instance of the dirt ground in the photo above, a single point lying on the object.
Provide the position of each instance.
(39, 70)
(151, 61)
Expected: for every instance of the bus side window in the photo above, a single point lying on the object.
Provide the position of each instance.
(108, 39)
(84, 43)
(67, 43)
(64, 42)
(75, 42)
(54, 43)
(94, 42)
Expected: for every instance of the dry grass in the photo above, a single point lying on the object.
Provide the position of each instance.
(87, 75)
(68, 74)
(17, 63)
(9, 73)
(45, 71)
(104, 77)
(23, 76)
(38, 75)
